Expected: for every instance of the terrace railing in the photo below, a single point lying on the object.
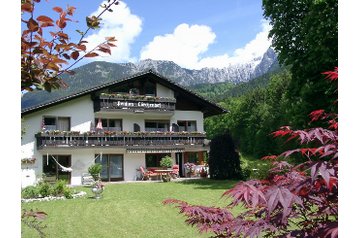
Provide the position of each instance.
(138, 103)
(145, 140)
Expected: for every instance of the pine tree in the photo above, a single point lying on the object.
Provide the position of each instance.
(224, 161)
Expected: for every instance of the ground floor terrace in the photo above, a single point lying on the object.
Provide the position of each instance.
(117, 164)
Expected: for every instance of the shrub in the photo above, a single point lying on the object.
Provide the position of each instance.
(68, 193)
(246, 173)
(166, 162)
(30, 192)
(59, 188)
(95, 171)
(224, 161)
(45, 189)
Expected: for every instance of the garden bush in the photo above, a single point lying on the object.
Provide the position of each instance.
(60, 189)
(246, 173)
(44, 189)
(30, 192)
(68, 193)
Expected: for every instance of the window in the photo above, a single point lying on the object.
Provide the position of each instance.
(192, 157)
(134, 91)
(110, 124)
(136, 127)
(153, 160)
(56, 123)
(139, 87)
(51, 169)
(187, 125)
(156, 125)
(149, 88)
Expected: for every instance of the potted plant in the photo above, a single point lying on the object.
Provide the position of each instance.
(97, 189)
(95, 171)
(203, 173)
(28, 160)
(166, 162)
(189, 168)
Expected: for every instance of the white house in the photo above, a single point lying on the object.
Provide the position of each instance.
(123, 125)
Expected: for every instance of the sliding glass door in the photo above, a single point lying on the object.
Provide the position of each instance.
(52, 170)
(112, 167)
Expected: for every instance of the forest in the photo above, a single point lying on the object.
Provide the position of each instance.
(288, 95)
(254, 114)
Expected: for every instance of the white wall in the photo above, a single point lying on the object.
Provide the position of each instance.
(129, 120)
(131, 163)
(164, 91)
(81, 112)
(80, 161)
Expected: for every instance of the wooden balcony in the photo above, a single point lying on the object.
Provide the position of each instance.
(134, 104)
(119, 139)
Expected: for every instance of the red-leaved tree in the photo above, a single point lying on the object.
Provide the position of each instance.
(46, 48)
(46, 53)
(295, 201)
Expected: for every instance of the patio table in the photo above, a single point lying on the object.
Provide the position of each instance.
(162, 172)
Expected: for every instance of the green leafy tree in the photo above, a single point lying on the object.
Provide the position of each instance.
(254, 116)
(224, 161)
(305, 36)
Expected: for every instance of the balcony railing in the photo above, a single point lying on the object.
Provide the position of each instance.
(138, 104)
(146, 140)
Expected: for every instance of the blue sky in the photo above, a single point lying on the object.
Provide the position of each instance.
(193, 34)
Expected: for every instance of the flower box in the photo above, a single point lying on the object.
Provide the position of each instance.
(28, 160)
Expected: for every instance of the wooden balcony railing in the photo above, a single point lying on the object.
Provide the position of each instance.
(136, 104)
(120, 139)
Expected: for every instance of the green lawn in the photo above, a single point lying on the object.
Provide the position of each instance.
(129, 210)
(258, 168)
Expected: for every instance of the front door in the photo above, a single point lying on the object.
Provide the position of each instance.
(112, 167)
(179, 161)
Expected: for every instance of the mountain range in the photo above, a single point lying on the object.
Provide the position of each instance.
(100, 72)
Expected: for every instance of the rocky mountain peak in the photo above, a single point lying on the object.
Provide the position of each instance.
(100, 72)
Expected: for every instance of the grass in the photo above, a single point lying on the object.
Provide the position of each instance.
(258, 168)
(129, 210)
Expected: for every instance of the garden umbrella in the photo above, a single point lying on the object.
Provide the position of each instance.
(99, 124)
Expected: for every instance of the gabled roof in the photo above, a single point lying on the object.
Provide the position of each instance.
(209, 108)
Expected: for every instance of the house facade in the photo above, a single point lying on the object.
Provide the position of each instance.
(123, 125)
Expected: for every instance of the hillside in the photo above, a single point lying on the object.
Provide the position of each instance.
(97, 73)
(221, 91)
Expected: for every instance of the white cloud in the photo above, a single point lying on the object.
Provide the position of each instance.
(121, 24)
(183, 46)
(256, 47)
(186, 43)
